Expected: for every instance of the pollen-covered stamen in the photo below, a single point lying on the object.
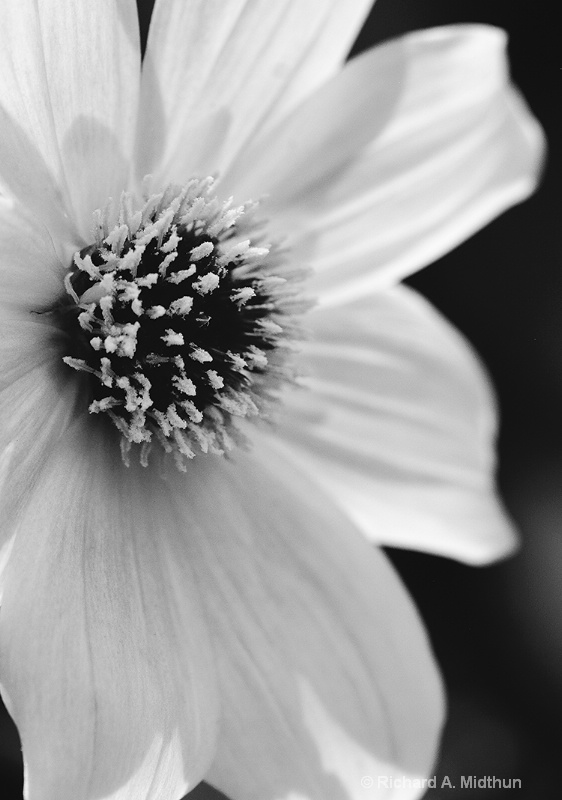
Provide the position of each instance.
(181, 318)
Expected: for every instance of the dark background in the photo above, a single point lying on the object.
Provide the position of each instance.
(495, 630)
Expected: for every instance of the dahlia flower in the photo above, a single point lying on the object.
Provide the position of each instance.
(193, 460)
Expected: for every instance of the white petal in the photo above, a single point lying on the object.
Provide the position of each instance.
(37, 404)
(325, 671)
(326, 131)
(37, 391)
(459, 149)
(224, 70)
(69, 76)
(31, 273)
(105, 657)
(399, 427)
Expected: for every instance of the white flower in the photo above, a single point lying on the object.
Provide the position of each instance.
(228, 621)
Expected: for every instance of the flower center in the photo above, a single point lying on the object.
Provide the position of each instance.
(181, 318)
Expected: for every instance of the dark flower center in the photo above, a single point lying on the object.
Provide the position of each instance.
(179, 320)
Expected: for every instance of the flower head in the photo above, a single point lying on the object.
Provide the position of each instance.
(184, 473)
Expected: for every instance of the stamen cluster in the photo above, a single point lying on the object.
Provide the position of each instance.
(179, 320)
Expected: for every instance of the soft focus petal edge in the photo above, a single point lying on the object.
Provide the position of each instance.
(459, 148)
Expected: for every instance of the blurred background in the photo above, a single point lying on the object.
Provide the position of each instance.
(496, 631)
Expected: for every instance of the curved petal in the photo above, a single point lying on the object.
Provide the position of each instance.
(324, 668)
(459, 149)
(399, 427)
(31, 273)
(69, 76)
(34, 411)
(221, 71)
(38, 398)
(323, 134)
(106, 662)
